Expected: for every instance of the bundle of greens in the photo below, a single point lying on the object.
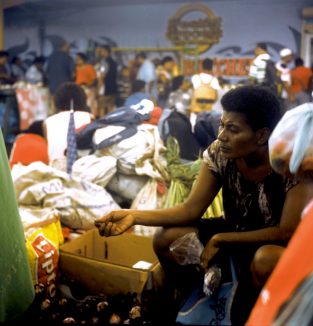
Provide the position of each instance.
(182, 177)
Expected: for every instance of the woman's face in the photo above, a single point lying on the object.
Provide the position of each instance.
(237, 139)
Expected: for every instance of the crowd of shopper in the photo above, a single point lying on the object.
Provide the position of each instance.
(110, 82)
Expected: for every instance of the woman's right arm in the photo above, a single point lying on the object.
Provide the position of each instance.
(202, 194)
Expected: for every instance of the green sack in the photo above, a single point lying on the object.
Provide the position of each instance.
(16, 287)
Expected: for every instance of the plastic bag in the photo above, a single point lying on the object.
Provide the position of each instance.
(291, 142)
(127, 186)
(79, 202)
(187, 249)
(98, 170)
(212, 280)
(44, 236)
(147, 198)
(140, 154)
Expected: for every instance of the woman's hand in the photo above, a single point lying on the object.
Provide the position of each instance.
(115, 223)
(209, 252)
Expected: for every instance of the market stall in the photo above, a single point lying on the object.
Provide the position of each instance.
(33, 104)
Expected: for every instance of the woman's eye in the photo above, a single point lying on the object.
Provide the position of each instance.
(232, 128)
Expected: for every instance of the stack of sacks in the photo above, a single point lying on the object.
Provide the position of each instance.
(79, 202)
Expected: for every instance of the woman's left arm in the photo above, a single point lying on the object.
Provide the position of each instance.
(296, 200)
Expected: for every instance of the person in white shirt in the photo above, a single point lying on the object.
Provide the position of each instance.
(35, 73)
(257, 69)
(68, 96)
(147, 73)
(286, 57)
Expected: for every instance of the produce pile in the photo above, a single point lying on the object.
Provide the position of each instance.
(63, 308)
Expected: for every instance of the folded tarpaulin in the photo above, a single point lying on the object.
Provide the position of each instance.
(16, 286)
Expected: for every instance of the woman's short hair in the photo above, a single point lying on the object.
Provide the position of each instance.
(259, 105)
(68, 94)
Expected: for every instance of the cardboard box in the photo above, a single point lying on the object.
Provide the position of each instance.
(109, 265)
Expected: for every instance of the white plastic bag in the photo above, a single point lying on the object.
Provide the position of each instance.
(79, 202)
(127, 186)
(291, 142)
(139, 154)
(92, 168)
(147, 199)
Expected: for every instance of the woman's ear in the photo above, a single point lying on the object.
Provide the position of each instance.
(263, 135)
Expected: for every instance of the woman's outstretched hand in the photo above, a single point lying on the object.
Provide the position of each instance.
(115, 223)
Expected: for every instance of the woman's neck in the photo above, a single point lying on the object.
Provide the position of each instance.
(259, 158)
(255, 167)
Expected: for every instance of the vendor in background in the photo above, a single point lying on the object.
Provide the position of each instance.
(85, 73)
(146, 72)
(68, 95)
(124, 85)
(35, 74)
(260, 206)
(205, 90)
(301, 83)
(86, 76)
(18, 69)
(60, 67)
(138, 93)
(263, 71)
(106, 68)
(257, 69)
(180, 95)
(165, 72)
(6, 77)
(282, 66)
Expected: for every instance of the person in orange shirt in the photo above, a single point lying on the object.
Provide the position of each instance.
(301, 83)
(86, 76)
(85, 72)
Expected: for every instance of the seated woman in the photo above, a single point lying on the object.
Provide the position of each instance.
(260, 206)
(68, 96)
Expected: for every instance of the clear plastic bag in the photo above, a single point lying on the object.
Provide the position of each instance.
(291, 142)
(187, 249)
(212, 280)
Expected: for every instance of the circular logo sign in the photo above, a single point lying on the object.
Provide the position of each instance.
(195, 28)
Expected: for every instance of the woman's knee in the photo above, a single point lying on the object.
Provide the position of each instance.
(264, 262)
(164, 237)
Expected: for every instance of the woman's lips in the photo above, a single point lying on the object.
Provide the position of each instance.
(225, 149)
